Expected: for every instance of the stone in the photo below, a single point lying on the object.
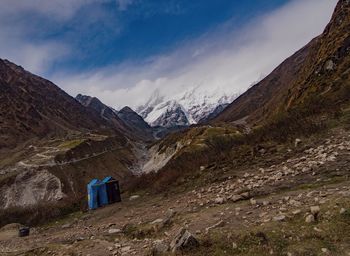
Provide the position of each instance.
(265, 203)
(134, 197)
(342, 211)
(221, 223)
(169, 216)
(245, 195)
(252, 201)
(315, 210)
(297, 142)
(68, 225)
(159, 247)
(183, 240)
(114, 231)
(234, 245)
(279, 218)
(236, 198)
(125, 249)
(219, 200)
(324, 250)
(296, 212)
(157, 221)
(310, 218)
(329, 65)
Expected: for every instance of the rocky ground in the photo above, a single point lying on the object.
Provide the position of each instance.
(297, 206)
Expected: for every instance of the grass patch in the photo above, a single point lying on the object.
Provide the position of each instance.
(70, 144)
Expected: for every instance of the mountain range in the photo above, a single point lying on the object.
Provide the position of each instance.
(199, 173)
(190, 107)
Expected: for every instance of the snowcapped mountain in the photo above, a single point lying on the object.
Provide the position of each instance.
(183, 109)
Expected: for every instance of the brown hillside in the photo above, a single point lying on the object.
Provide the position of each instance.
(319, 72)
(33, 108)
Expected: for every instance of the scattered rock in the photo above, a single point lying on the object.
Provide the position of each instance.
(219, 200)
(324, 250)
(296, 212)
(236, 198)
(252, 201)
(265, 203)
(329, 65)
(134, 197)
(114, 231)
(157, 221)
(310, 218)
(342, 211)
(159, 247)
(183, 240)
(297, 142)
(279, 218)
(315, 210)
(125, 249)
(169, 216)
(221, 223)
(68, 225)
(234, 245)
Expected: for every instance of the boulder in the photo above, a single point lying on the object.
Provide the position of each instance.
(183, 240)
(235, 198)
(114, 231)
(134, 197)
(169, 216)
(310, 218)
(160, 247)
(315, 210)
(219, 200)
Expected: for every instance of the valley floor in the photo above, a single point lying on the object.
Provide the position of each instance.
(298, 206)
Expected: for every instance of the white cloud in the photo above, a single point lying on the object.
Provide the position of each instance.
(59, 9)
(221, 60)
(24, 24)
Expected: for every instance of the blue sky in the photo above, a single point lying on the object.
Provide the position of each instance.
(118, 49)
(99, 33)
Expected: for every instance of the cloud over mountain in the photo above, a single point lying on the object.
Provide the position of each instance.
(226, 59)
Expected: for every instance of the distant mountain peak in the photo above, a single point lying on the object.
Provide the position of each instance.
(190, 107)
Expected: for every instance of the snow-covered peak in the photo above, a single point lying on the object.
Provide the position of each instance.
(188, 107)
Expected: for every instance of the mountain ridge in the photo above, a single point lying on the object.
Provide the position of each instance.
(315, 71)
(33, 107)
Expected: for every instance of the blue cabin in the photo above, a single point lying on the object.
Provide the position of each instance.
(93, 198)
(112, 189)
(102, 193)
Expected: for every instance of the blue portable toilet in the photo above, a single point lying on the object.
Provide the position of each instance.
(102, 193)
(93, 198)
(112, 188)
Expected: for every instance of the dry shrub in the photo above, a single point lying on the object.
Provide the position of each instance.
(39, 213)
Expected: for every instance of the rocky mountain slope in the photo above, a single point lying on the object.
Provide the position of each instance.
(126, 119)
(34, 108)
(299, 98)
(317, 75)
(51, 145)
(287, 203)
(135, 122)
